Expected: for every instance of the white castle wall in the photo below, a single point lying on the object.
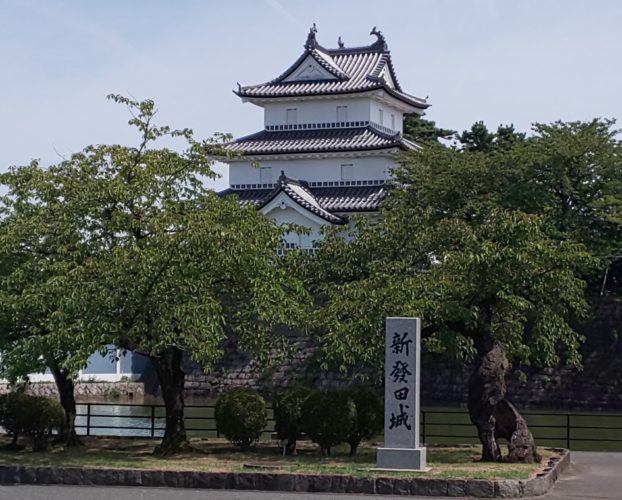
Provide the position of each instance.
(317, 111)
(325, 111)
(374, 115)
(291, 216)
(312, 170)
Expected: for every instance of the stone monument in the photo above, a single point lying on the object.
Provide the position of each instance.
(401, 449)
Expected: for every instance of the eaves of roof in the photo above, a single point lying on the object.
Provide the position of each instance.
(300, 194)
(321, 140)
(334, 199)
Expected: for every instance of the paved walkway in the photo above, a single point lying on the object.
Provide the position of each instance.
(591, 476)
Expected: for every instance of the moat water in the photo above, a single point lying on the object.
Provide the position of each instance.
(439, 425)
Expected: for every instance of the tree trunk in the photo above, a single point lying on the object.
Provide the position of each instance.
(354, 442)
(491, 413)
(172, 379)
(65, 387)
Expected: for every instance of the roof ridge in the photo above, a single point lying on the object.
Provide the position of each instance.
(355, 50)
(329, 65)
(287, 185)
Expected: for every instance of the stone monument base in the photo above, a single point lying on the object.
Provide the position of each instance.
(401, 459)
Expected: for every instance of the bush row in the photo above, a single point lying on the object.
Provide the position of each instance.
(326, 417)
(34, 416)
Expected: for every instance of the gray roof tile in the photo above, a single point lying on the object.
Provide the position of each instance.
(318, 140)
(357, 69)
(336, 199)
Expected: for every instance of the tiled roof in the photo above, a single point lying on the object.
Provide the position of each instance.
(300, 193)
(357, 69)
(336, 199)
(318, 140)
(350, 198)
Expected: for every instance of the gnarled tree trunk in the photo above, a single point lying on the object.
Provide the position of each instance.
(65, 387)
(493, 415)
(172, 379)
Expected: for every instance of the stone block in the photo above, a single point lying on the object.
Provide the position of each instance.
(132, 478)
(99, 477)
(430, 487)
(508, 489)
(185, 479)
(456, 488)
(302, 483)
(114, 477)
(170, 479)
(9, 474)
(73, 475)
(202, 480)
(45, 475)
(402, 486)
(537, 486)
(384, 486)
(151, 478)
(320, 483)
(278, 482)
(339, 484)
(480, 488)
(362, 485)
(401, 458)
(246, 481)
(27, 475)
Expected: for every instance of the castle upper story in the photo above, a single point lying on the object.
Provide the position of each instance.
(333, 123)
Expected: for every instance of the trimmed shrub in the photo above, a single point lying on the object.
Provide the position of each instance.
(241, 416)
(11, 418)
(328, 418)
(369, 416)
(287, 406)
(35, 416)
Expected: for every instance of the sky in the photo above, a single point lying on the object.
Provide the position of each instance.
(500, 61)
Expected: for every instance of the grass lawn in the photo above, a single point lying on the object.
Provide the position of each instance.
(217, 455)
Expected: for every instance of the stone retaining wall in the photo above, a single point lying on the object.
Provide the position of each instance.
(598, 385)
(85, 390)
(539, 485)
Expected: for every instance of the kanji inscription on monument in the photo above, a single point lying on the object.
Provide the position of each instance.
(401, 449)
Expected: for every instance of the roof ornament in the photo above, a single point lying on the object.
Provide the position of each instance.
(340, 43)
(282, 180)
(381, 43)
(311, 41)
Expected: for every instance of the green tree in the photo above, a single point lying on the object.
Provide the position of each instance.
(507, 136)
(37, 249)
(488, 281)
(172, 269)
(479, 138)
(421, 130)
(571, 173)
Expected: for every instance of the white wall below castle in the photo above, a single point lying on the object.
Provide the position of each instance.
(311, 170)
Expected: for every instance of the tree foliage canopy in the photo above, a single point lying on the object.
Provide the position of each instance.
(144, 255)
(126, 246)
(478, 241)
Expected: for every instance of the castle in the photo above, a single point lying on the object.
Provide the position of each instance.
(333, 125)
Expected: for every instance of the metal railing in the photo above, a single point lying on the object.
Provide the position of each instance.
(149, 419)
(438, 426)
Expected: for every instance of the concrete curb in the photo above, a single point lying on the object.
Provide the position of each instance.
(539, 485)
